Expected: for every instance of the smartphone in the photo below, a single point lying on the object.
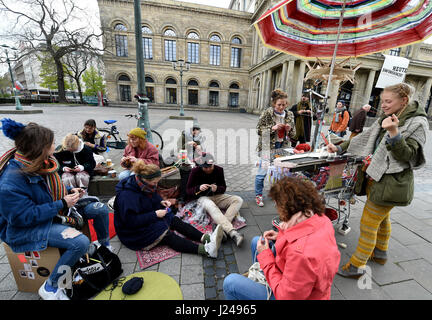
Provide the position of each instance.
(262, 239)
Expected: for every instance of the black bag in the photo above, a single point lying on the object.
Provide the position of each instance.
(92, 273)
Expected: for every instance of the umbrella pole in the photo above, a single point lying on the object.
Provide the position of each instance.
(320, 118)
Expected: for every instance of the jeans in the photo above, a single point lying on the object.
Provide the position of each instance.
(99, 212)
(261, 174)
(75, 248)
(238, 287)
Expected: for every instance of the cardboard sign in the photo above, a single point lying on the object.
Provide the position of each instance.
(393, 71)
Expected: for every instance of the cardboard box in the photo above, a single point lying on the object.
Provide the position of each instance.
(32, 268)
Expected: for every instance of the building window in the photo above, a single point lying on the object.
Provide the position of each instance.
(215, 38)
(213, 98)
(121, 45)
(170, 50)
(193, 35)
(233, 99)
(148, 48)
(150, 89)
(120, 27)
(193, 52)
(125, 93)
(169, 33)
(215, 55)
(193, 83)
(395, 52)
(214, 84)
(171, 91)
(235, 57)
(236, 41)
(193, 97)
(171, 95)
(146, 30)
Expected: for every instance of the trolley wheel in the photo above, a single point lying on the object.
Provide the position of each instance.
(157, 140)
(112, 142)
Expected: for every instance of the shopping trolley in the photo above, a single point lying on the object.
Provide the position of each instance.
(334, 176)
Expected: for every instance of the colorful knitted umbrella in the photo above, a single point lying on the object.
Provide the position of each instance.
(310, 28)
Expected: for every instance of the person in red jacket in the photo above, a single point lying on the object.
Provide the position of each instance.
(306, 256)
(138, 148)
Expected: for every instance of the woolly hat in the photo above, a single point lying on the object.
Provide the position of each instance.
(138, 132)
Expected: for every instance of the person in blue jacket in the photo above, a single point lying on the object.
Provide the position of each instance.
(32, 197)
(143, 220)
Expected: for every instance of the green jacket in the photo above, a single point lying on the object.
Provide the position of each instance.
(395, 189)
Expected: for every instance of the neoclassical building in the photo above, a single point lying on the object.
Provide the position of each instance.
(216, 42)
(229, 66)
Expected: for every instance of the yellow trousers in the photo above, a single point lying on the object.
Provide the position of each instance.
(375, 230)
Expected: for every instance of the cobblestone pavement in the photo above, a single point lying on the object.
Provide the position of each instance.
(405, 276)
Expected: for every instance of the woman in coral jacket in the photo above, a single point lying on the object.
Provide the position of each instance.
(306, 256)
(340, 121)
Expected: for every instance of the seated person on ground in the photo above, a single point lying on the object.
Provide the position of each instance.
(207, 184)
(94, 139)
(76, 162)
(143, 220)
(299, 260)
(137, 148)
(33, 199)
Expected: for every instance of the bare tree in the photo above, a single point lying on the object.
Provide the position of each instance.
(51, 26)
(77, 63)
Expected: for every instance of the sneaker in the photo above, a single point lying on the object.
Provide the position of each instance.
(46, 293)
(259, 201)
(212, 247)
(237, 237)
(110, 203)
(349, 271)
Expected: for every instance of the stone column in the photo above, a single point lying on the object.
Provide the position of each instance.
(256, 48)
(284, 75)
(289, 80)
(426, 94)
(267, 89)
(262, 88)
(299, 87)
(369, 86)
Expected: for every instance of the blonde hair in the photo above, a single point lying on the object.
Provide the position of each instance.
(140, 167)
(402, 90)
(70, 142)
(278, 94)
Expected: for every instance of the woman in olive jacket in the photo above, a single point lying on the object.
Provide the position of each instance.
(395, 145)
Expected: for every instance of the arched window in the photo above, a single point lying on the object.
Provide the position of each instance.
(236, 40)
(150, 88)
(121, 40)
(193, 35)
(146, 30)
(234, 86)
(124, 88)
(124, 77)
(147, 43)
(215, 51)
(120, 27)
(192, 83)
(171, 81)
(233, 97)
(170, 46)
(169, 33)
(215, 38)
(214, 84)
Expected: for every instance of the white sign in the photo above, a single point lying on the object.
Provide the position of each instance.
(393, 71)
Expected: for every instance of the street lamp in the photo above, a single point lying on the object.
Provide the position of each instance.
(17, 101)
(181, 66)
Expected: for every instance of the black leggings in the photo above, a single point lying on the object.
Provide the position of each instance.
(181, 244)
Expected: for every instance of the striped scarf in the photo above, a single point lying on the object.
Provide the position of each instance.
(52, 178)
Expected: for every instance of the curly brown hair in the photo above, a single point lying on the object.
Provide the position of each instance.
(292, 195)
(278, 94)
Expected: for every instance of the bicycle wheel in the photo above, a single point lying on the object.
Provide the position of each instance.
(157, 140)
(112, 141)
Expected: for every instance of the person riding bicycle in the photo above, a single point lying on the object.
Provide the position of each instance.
(138, 147)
